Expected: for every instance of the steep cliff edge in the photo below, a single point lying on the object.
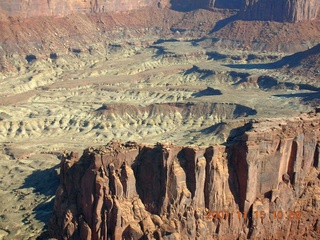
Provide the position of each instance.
(280, 10)
(22, 9)
(264, 183)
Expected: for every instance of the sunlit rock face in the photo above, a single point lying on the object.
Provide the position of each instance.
(269, 174)
(280, 10)
(277, 10)
(24, 8)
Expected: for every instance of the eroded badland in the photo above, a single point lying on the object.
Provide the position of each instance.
(218, 100)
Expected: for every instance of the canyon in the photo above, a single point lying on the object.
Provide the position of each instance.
(202, 119)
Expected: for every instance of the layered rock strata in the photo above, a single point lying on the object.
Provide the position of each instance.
(21, 8)
(264, 183)
(280, 10)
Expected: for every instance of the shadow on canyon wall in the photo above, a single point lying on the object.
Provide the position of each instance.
(189, 5)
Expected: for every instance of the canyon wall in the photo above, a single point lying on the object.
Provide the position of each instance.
(280, 10)
(263, 183)
(277, 10)
(31, 8)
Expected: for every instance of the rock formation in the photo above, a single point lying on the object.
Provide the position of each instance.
(20, 8)
(262, 183)
(280, 10)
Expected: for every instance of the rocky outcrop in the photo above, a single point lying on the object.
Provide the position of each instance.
(20, 8)
(280, 10)
(263, 183)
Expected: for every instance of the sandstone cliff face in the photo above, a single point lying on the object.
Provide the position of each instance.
(129, 191)
(21, 8)
(280, 10)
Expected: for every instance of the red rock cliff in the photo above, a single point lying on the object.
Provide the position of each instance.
(280, 10)
(271, 174)
(31, 8)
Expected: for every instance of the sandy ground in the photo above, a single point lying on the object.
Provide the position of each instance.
(26, 195)
(80, 100)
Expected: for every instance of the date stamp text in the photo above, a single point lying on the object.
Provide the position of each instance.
(290, 215)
